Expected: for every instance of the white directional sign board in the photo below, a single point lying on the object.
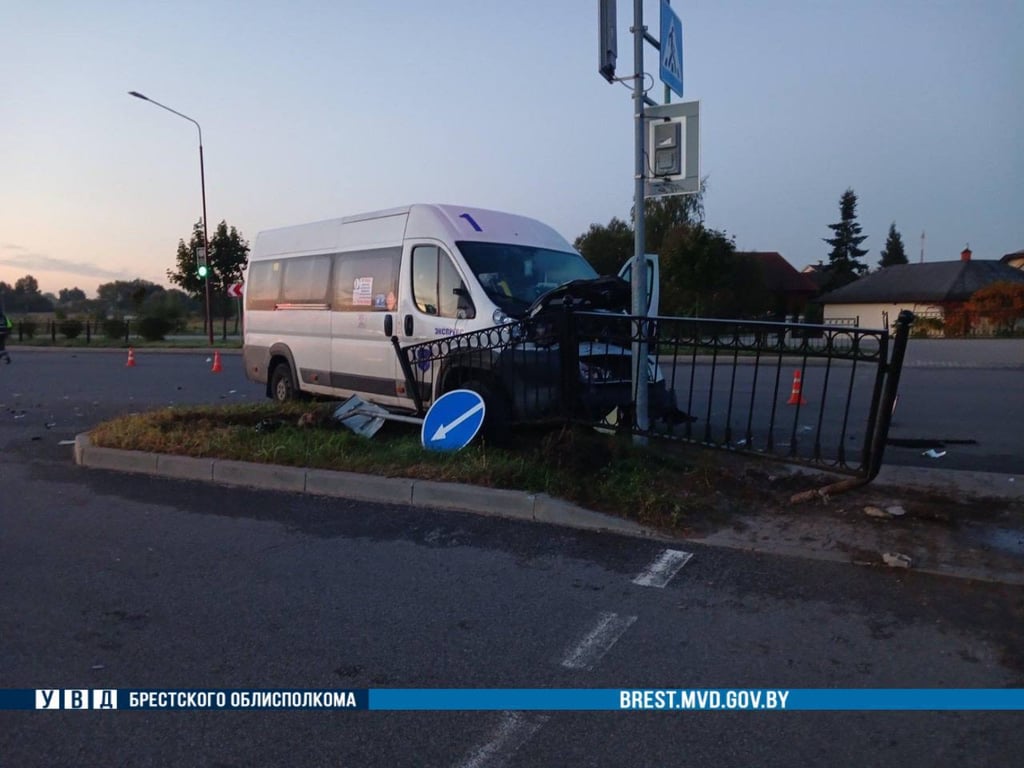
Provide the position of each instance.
(671, 49)
(687, 179)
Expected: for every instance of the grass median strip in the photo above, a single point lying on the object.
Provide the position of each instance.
(661, 486)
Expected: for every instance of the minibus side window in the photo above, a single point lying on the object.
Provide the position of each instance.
(263, 287)
(366, 281)
(424, 278)
(306, 279)
(437, 287)
(454, 297)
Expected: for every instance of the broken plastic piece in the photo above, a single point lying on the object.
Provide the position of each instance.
(361, 417)
(931, 453)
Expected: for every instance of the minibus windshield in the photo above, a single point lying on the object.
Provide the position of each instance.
(514, 276)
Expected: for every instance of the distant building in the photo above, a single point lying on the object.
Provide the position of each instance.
(928, 290)
(790, 290)
(1015, 259)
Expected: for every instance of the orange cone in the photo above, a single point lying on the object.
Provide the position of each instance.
(216, 363)
(131, 358)
(795, 396)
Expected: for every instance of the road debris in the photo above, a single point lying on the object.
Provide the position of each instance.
(896, 560)
(931, 453)
(896, 510)
(363, 418)
(872, 511)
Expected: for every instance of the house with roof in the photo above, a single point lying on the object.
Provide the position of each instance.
(1015, 259)
(788, 289)
(928, 290)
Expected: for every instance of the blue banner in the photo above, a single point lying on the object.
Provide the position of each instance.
(524, 699)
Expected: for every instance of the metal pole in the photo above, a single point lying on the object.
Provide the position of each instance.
(202, 181)
(206, 240)
(639, 272)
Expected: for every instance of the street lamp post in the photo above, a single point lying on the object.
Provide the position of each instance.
(202, 181)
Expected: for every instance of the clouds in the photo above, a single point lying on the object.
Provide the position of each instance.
(18, 257)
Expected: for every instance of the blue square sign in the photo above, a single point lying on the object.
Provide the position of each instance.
(671, 49)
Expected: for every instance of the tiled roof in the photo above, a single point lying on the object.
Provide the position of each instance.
(780, 275)
(935, 282)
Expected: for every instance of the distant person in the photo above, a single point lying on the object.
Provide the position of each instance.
(5, 331)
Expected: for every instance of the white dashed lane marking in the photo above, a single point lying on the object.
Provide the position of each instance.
(660, 572)
(598, 641)
(517, 728)
(514, 730)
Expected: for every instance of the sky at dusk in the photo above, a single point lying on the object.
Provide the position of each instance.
(312, 110)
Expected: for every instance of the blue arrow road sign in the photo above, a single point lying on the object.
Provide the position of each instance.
(453, 421)
(671, 49)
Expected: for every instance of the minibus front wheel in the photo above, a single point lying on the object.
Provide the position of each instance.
(282, 383)
(497, 413)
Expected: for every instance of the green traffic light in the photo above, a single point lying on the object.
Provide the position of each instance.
(203, 271)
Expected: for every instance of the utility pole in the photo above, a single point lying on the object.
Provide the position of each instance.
(639, 272)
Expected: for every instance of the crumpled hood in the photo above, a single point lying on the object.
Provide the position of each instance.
(609, 293)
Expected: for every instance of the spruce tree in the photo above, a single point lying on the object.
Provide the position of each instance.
(845, 265)
(893, 252)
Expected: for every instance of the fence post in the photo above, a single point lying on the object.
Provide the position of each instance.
(88, 331)
(892, 383)
(569, 362)
(53, 331)
(410, 380)
(127, 332)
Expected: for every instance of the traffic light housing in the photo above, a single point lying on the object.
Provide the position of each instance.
(202, 268)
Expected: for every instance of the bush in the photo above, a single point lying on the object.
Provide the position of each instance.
(154, 328)
(114, 329)
(71, 329)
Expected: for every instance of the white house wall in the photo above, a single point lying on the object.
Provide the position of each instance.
(873, 315)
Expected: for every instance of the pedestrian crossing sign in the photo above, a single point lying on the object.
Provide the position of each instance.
(671, 49)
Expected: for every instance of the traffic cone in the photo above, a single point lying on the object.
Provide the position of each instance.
(795, 396)
(131, 358)
(216, 363)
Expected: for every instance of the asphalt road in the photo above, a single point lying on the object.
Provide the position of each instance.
(123, 581)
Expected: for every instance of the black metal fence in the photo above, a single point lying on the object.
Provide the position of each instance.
(815, 394)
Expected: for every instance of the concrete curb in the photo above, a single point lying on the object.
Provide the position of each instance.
(518, 505)
(953, 482)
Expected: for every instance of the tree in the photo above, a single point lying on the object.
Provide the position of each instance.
(663, 214)
(1001, 304)
(26, 296)
(227, 259)
(27, 285)
(607, 248)
(70, 295)
(185, 275)
(893, 252)
(122, 296)
(229, 254)
(845, 265)
(703, 276)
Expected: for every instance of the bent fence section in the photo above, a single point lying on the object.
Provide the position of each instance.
(814, 394)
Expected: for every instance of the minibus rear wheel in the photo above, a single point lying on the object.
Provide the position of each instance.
(282, 383)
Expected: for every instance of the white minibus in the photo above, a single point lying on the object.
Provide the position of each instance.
(323, 300)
